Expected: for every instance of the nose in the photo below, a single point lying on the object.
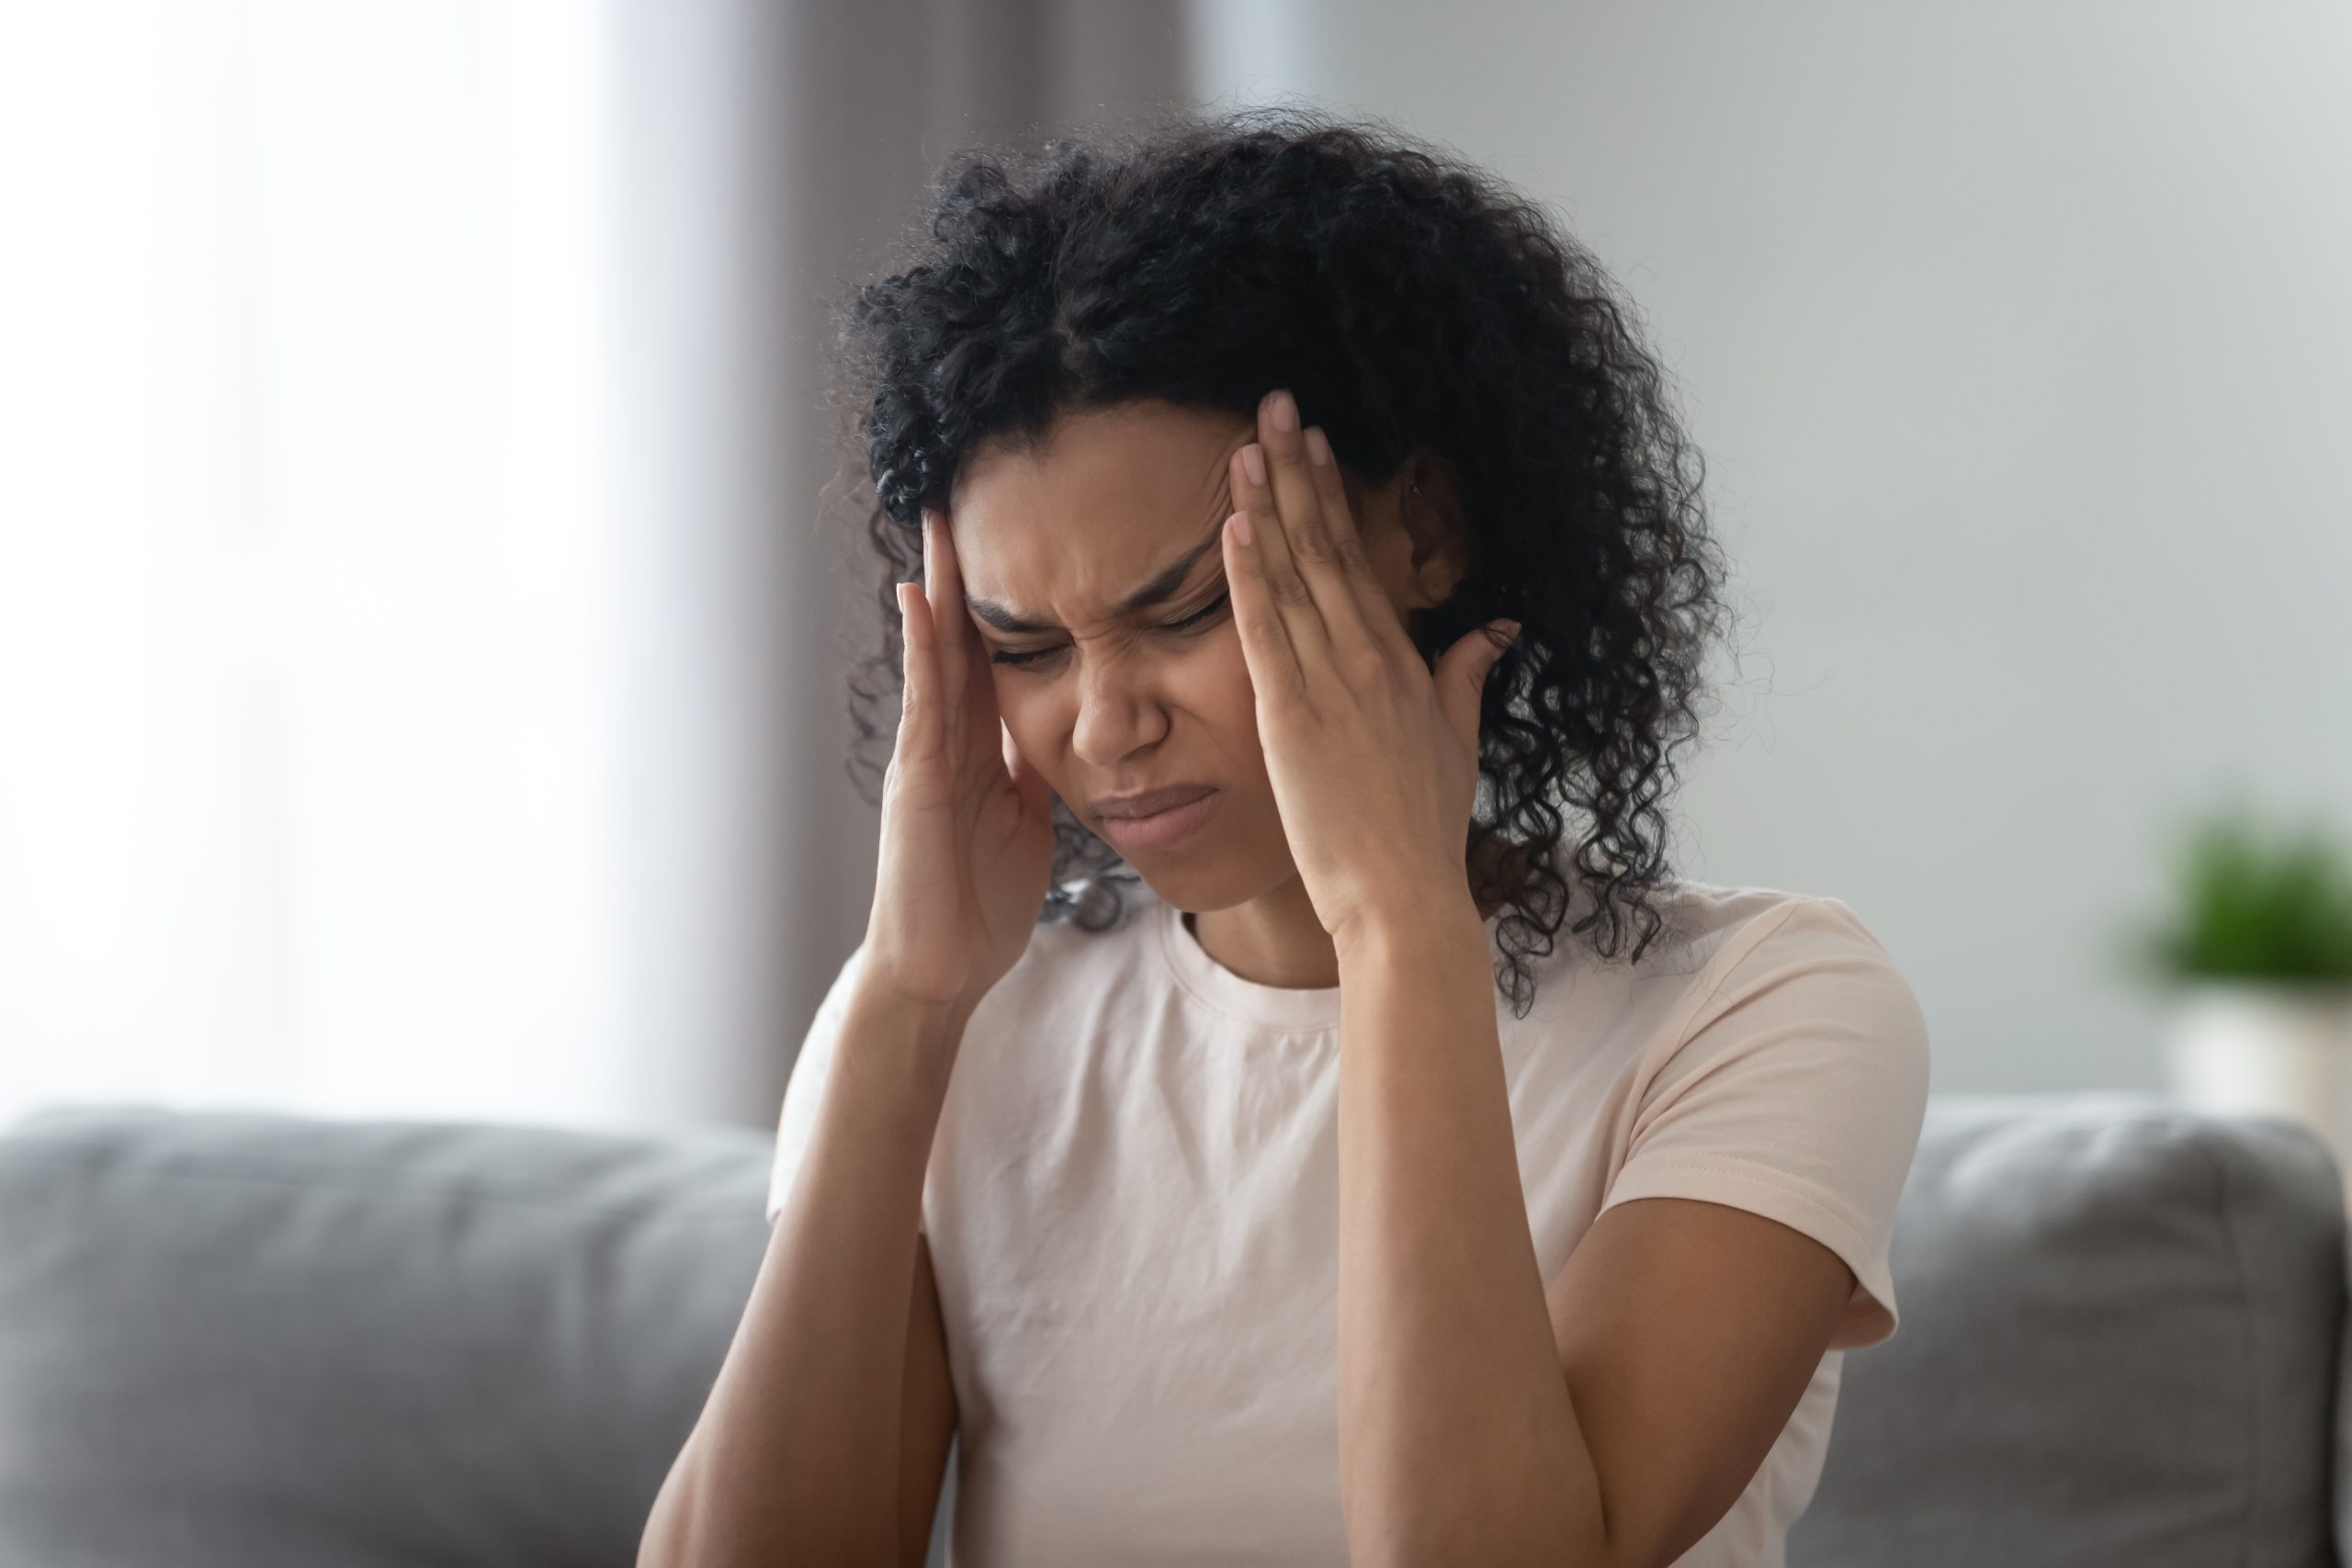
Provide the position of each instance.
(1119, 710)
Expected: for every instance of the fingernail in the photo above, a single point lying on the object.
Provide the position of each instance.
(1319, 446)
(1285, 411)
(1253, 463)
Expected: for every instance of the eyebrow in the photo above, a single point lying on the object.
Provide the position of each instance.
(1162, 587)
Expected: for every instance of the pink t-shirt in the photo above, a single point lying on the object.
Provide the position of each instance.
(1132, 1204)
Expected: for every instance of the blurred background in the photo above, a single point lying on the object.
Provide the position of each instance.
(421, 639)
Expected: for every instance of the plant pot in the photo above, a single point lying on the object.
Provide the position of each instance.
(2262, 1048)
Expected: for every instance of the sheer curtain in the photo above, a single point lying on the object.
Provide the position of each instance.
(420, 652)
(309, 584)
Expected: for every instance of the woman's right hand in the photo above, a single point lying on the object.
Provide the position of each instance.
(967, 837)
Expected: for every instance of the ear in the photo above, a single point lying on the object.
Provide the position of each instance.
(1429, 506)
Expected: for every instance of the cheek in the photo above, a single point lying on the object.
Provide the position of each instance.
(1226, 681)
(1228, 701)
(1031, 720)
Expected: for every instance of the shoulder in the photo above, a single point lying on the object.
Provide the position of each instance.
(1758, 939)
(1799, 999)
(1718, 923)
(1745, 981)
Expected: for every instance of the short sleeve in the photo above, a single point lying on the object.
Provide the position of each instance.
(1797, 1090)
(804, 1090)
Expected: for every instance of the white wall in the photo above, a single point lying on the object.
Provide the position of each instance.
(2018, 342)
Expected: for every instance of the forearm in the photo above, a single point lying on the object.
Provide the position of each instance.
(795, 1456)
(1458, 1443)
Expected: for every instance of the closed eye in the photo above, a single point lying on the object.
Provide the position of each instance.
(1197, 619)
(1199, 616)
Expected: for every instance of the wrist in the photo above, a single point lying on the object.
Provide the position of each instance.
(1410, 925)
(922, 1023)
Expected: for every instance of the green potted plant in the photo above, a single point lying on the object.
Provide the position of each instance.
(2257, 957)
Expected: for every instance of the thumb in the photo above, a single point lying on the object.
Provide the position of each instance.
(1462, 674)
(1035, 793)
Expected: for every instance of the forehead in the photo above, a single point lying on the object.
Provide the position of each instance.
(1063, 534)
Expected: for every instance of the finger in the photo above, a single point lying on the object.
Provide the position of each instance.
(1462, 676)
(1321, 543)
(1377, 611)
(1284, 590)
(970, 670)
(1274, 669)
(919, 716)
(943, 593)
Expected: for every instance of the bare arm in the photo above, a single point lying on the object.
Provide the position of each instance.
(834, 1406)
(1607, 1421)
(795, 1458)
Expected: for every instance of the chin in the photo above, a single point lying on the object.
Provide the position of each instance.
(1202, 879)
(1188, 885)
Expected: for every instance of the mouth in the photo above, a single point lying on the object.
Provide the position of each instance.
(1160, 828)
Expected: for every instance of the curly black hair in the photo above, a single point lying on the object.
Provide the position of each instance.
(1411, 300)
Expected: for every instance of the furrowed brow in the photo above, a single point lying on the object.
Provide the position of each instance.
(1162, 587)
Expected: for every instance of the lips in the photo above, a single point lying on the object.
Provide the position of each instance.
(1152, 802)
(1163, 828)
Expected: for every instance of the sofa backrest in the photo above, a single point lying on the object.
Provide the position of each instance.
(235, 1341)
(234, 1338)
(2121, 1342)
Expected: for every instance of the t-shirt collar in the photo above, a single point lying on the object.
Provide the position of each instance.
(1270, 1006)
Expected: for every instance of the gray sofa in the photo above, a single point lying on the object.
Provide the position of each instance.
(254, 1341)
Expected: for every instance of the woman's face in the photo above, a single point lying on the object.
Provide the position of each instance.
(1095, 579)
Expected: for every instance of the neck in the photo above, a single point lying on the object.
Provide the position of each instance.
(1277, 940)
(1272, 939)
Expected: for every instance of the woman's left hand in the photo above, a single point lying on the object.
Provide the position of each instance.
(1374, 759)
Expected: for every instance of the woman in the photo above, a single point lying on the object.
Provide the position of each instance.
(1211, 1129)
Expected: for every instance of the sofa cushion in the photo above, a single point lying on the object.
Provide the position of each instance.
(258, 1341)
(2122, 1339)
